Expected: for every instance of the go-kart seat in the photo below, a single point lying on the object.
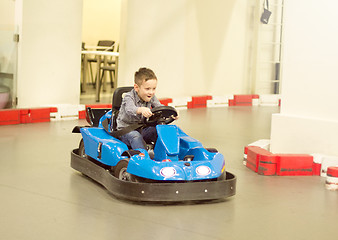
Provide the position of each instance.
(118, 96)
(93, 115)
(116, 104)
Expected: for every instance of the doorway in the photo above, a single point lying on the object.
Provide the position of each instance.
(8, 54)
(100, 21)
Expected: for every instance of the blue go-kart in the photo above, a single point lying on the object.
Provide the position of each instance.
(175, 168)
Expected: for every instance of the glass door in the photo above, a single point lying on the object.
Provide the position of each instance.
(8, 54)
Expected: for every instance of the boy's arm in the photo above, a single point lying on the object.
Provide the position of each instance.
(130, 106)
(133, 110)
(146, 112)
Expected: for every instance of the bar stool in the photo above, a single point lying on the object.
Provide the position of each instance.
(110, 66)
(102, 43)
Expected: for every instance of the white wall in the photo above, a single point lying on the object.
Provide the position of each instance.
(49, 60)
(308, 121)
(194, 46)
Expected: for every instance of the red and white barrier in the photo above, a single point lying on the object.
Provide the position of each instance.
(332, 178)
(294, 165)
(262, 143)
(199, 101)
(180, 103)
(259, 159)
(166, 101)
(264, 162)
(66, 112)
(31, 115)
(328, 161)
(70, 112)
(219, 101)
(317, 164)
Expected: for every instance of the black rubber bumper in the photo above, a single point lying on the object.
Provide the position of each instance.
(155, 192)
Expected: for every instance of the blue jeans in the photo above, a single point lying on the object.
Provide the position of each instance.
(137, 138)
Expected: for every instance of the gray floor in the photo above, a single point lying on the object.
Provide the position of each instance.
(42, 197)
(88, 96)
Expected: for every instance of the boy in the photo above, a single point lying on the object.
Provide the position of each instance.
(136, 105)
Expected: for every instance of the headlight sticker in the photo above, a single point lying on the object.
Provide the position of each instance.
(168, 172)
(203, 170)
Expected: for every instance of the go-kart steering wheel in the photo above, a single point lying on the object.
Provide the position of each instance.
(161, 115)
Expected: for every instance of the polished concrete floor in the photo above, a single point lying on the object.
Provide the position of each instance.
(88, 95)
(42, 197)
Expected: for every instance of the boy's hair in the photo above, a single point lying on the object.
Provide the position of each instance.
(144, 74)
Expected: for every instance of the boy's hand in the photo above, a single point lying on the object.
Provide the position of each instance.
(146, 112)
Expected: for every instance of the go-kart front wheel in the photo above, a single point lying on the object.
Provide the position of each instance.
(120, 171)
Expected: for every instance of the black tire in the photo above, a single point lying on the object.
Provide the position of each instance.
(222, 177)
(82, 149)
(120, 171)
(212, 150)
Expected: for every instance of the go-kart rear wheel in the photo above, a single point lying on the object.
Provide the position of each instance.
(82, 149)
(120, 171)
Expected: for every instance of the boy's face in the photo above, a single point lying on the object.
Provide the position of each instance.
(146, 90)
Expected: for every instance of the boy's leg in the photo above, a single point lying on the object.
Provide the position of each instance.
(133, 139)
(149, 134)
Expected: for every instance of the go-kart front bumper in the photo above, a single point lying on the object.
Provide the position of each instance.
(155, 192)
